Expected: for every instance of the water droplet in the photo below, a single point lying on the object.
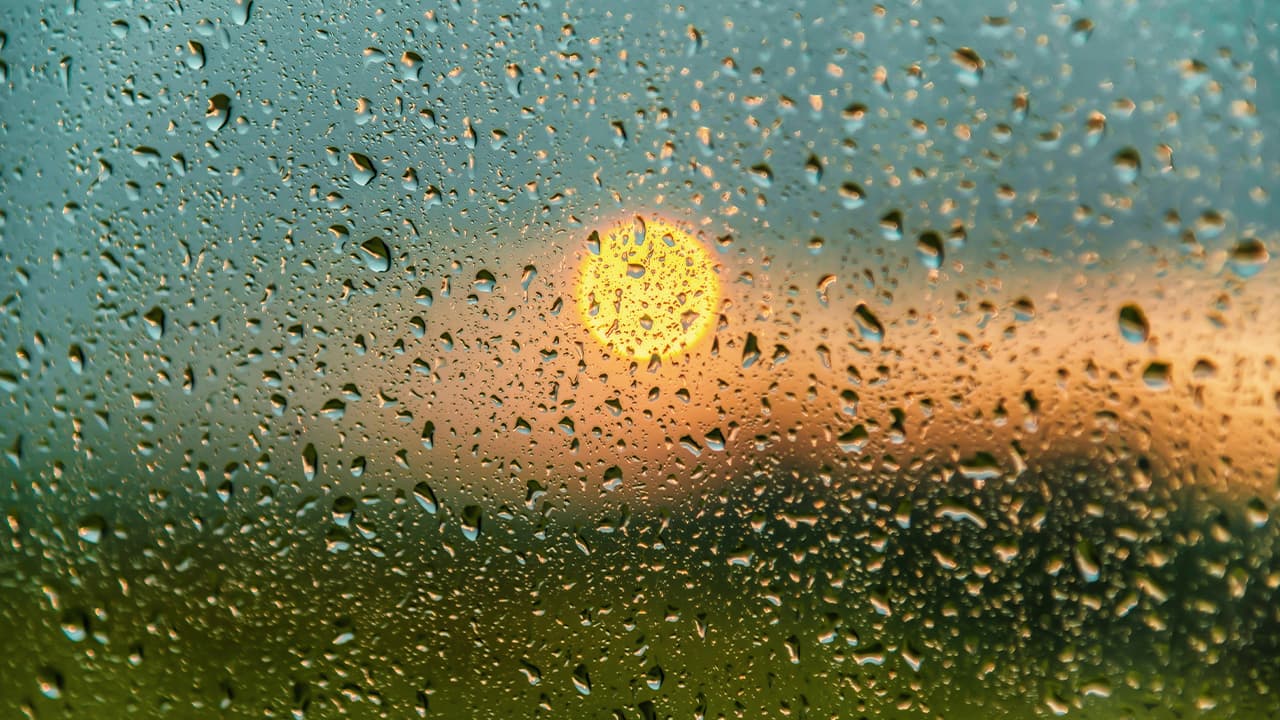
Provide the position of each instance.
(1087, 563)
(1128, 164)
(310, 461)
(980, 466)
(654, 678)
(217, 113)
(334, 409)
(750, 350)
(1095, 128)
(792, 644)
(1081, 30)
(50, 682)
(868, 325)
(92, 528)
(376, 255)
(1248, 257)
(344, 509)
(612, 478)
(852, 196)
(240, 11)
(362, 170)
(813, 170)
(1133, 324)
(426, 497)
(853, 440)
(75, 357)
(364, 112)
(969, 66)
(854, 117)
(194, 55)
(410, 66)
(531, 672)
(1157, 375)
(75, 625)
(891, 225)
(471, 522)
(1255, 512)
(155, 323)
(146, 157)
(581, 680)
(929, 250)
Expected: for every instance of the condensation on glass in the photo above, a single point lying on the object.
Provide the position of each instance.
(639, 360)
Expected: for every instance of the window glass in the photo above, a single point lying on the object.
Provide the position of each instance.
(639, 360)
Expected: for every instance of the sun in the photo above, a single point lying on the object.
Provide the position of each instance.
(647, 288)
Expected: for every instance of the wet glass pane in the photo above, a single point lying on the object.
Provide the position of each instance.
(639, 360)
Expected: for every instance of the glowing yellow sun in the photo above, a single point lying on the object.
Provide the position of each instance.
(647, 288)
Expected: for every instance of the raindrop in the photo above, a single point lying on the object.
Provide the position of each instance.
(334, 409)
(1081, 30)
(471, 521)
(92, 528)
(891, 225)
(362, 169)
(410, 66)
(1256, 512)
(813, 170)
(852, 196)
(240, 11)
(1127, 163)
(194, 55)
(654, 678)
(1087, 561)
(75, 356)
(929, 250)
(750, 351)
(50, 683)
(868, 325)
(310, 461)
(75, 625)
(1095, 128)
(1133, 324)
(155, 321)
(969, 66)
(1248, 257)
(1157, 375)
(532, 673)
(612, 478)
(853, 440)
(376, 254)
(426, 497)
(217, 113)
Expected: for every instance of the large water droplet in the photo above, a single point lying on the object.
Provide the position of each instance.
(92, 528)
(376, 255)
(1133, 324)
(362, 169)
(217, 113)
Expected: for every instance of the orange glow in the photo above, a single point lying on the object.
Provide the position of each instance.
(647, 288)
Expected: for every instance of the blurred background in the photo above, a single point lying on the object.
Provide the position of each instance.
(303, 415)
